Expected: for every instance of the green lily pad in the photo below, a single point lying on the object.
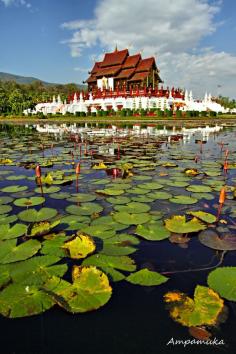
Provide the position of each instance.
(89, 291)
(118, 262)
(177, 184)
(36, 270)
(10, 252)
(32, 215)
(100, 231)
(6, 200)
(14, 189)
(110, 191)
(5, 209)
(7, 232)
(146, 277)
(151, 185)
(28, 202)
(178, 224)
(206, 196)
(199, 188)
(54, 246)
(202, 215)
(109, 222)
(80, 246)
(131, 219)
(183, 199)
(153, 231)
(133, 207)
(60, 195)
(75, 222)
(18, 300)
(118, 200)
(84, 209)
(223, 281)
(47, 190)
(81, 198)
(160, 195)
(6, 219)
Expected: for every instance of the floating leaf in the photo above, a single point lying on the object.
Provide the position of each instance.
(4, 209)
(204, 309)
(118, 200)
(7, 232)
(146, 277)
(5, 200)
(110, 191)
(47, 190)
(100, 231)
(6, 219)
(89, 291)
(131, 219)
(18, 300)
(32, 215)
(133, 207)
(28, 202)
(178, 224)
(75, 222)
(81, 198)
(41, 228)
(223, 281)
(14, 189)
(183, 199)
(153, 231)
(211, 239)
(80, 247)
(202, 215)
(84, 209)
(117, 262)
(10, 252)
(199, 188)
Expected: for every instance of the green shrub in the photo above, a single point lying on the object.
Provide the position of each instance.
(178, 114)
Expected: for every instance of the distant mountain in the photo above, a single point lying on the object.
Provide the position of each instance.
(26, 80)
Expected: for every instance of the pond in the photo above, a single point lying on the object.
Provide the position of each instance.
(117, 238)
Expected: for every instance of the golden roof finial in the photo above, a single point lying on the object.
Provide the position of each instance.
(116, 49)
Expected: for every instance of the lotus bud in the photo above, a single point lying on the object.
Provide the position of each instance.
(115, 172)
(225, 166)
(38, 171)
(222, 196)
(226, 153)
(77, 169)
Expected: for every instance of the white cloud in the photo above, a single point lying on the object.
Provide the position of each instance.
(16, 3)
(172, 29)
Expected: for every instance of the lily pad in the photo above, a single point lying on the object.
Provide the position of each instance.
(130, 218)
(202, 215)
(4, 209)
(84, 209)
(18, 300)
(199, 188)
(14, 189)
(178, 224)
(210, 238)
(146, 277)
(118, 262)
(118, 200)
(153, 231)
(183, 199)
(100, 231)
(133, 207)
(6, 200)
(110, 191)
(204, 309)
(81, 198)
(32, 215)
(28, 202)
(7, 232)
(80, 246)
(47, 190)
(10, 252)
(89, 291)
(223, 281)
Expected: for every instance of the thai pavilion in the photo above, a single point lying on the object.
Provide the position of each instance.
(119, 71)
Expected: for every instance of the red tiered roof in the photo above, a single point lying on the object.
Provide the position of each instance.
(139, 76)
(131, 61)
(145, 64)
(125, 73)
(121, 65)
(116, 58)
(111, 70)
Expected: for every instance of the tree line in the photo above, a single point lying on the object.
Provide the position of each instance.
(15, 97)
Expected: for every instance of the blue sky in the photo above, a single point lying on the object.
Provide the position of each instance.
(58, 41)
